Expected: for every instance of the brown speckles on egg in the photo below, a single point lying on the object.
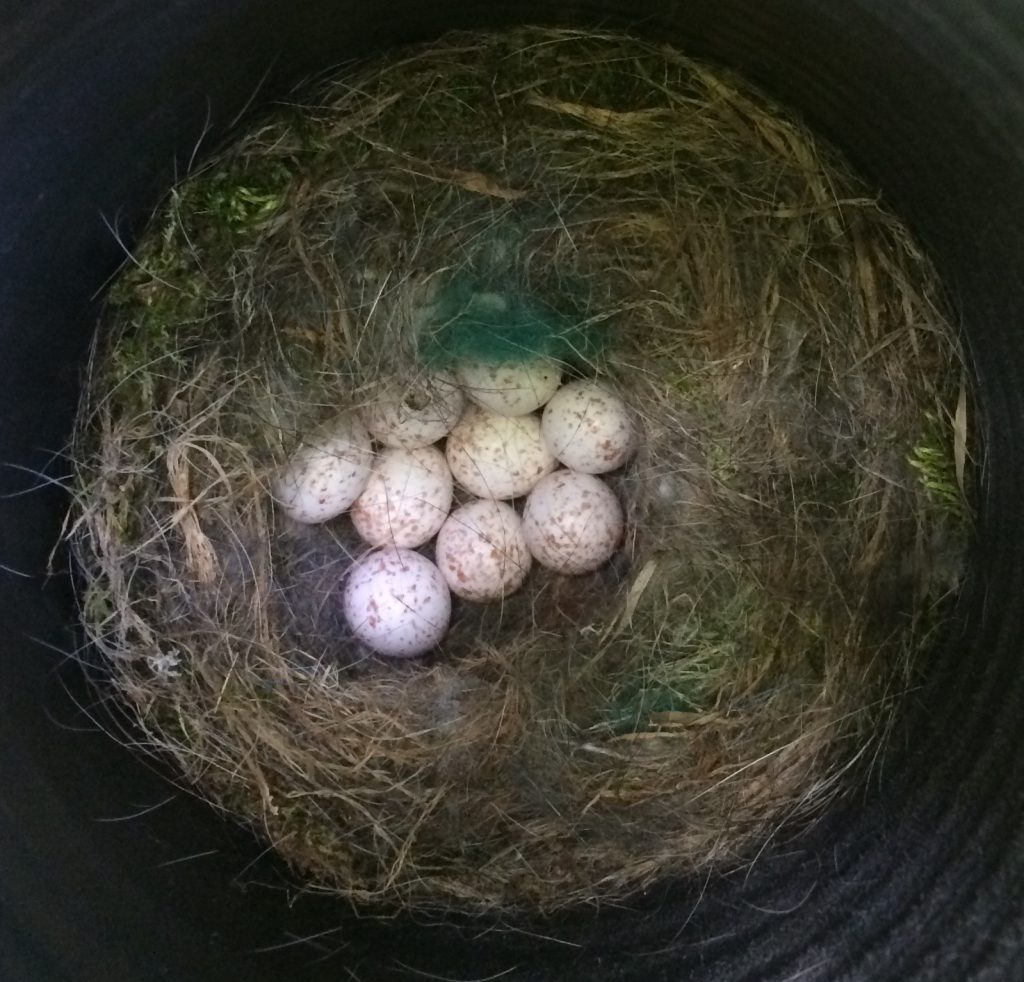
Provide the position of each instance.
(397, 602)
(589, 428)
(511, 388)
(482, 552)
(572, 522)
(413, 413)
(498, 457)
(327, 472)
(406, 499)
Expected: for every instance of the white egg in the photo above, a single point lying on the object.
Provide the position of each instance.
(397, 602)
(512, 388)
(589, 428)
(573, 522)
(414, 413)
(406, 500)
(327, 472)
(495, 456)
(481, 551)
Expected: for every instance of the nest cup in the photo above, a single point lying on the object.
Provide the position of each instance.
(796, 510)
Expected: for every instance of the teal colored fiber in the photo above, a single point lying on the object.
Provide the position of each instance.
(474, 322)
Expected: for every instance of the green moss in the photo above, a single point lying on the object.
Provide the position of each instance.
(97, 603)
(675, 679)
(683, 670)
(167, 282)
(723, 460)
(741, 646)
(243, 198)
(932, 458)
(167, 299)
(164, 282)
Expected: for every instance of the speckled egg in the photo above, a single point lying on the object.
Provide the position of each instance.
(481, 551)
(416, 412)
(589, 428)
(572, 522)
(511, 388)
(327, 472)
(406, 500)
(397, 602)
(494, 456)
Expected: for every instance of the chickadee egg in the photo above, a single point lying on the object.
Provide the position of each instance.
(397, 602)
(481, 551)
(572, 522)
(511, 388)
(495, 456)
(588, 428)
(414, 413)
(406, 499)
(327, 472)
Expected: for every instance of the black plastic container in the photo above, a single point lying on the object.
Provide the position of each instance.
(107, 872)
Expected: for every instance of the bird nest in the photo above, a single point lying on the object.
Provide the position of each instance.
(795, 513)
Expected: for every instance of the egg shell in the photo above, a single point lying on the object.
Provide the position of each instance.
(481, 551)
(415, 412)
(406, 499)
(510, 388)
(397, 602)
(327, 472)
(494, 456)
(572, 522)
(589, 428)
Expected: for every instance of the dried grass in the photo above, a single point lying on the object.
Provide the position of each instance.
(795, 514)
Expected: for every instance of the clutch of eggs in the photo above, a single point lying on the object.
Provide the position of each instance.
(498, 447)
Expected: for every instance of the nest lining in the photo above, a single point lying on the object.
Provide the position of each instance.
(796, 514)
